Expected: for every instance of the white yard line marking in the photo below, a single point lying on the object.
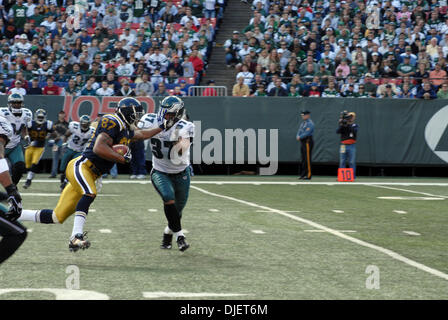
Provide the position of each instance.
(338, 211)
(271, 211)
(92, 210)
(410, 191)
(152, 210)
(336, 233)
(400, 211)
(105, 231)
(343, 231)
(258, 231)
(163, 294)
(185, 231)
(29, 230)
(213, 210)
(412, 233)
(410, 198)
(292, 183)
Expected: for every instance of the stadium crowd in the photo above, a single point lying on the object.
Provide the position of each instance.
(105, 47)
(349, 48)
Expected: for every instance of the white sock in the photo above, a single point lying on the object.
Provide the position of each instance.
(178, 234)
(30, 175)
(167, 230)
(78, 223)
(29, 215)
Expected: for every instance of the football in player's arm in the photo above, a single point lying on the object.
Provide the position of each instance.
(12, 233)
(170, 175)
(95, 160)
(19, 118)
(39, 131)
(77, 137)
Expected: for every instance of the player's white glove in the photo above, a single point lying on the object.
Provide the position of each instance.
(128, 156)
(161, 121)
(26, 141)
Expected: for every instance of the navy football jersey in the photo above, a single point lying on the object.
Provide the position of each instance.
(116, 129)
(38, 133)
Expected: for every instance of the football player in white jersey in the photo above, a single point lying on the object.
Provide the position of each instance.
(78, 135)
(20, 118)
(12, 233)
(170, 175)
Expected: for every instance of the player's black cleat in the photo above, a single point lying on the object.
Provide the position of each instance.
(27, 184)
(182, 244)
(79, 242)
(166, 242)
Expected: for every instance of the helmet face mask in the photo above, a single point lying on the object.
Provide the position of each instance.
(175, 108)
(85, 123)
(41, 116)
(130, 111)
(15, 104)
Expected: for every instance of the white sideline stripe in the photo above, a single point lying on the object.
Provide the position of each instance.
(338, 211)
(400, 211)
(152, 210)
(410, 191)
(344, 231)
(58, 194)
(410, 198)
(213, 210)
(412, 233)
(105, 231)
(339, 234)
(163, 294)
(258, 231)
(292, 183)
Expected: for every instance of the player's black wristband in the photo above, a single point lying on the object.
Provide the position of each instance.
(11, 189)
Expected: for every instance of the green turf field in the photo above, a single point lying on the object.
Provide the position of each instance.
(253, 237)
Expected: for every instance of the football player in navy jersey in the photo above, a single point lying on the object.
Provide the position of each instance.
(97, 159)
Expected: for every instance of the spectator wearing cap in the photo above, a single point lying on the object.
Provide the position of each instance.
(111, 19)
(405, 68)
(145, 87)
(126, 90)
(99, 6)
(260, 91)
(437, 76)
(240, 89)
(22, 46)
(176, 65)
(232, 47)
(210, 91)
(51, 89)
(17, 88)
(125, 13)
(369, 86)
(314, 90)
(388, 91)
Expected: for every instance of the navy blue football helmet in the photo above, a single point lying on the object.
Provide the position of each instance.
(40, 116)
(130, 110)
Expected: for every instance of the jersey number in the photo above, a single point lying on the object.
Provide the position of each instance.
(157, 147)
(76, 140)
(107, 124)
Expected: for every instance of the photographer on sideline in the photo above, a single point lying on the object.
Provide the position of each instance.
(305, 136)
(348, 130)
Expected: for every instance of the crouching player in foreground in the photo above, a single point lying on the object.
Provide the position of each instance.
(96, 159)
(170, 175)
(12, 232)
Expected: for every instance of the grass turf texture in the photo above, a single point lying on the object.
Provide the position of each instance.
(286, 262)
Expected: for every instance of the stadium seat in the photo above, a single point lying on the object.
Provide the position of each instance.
(118, 31)
(135, 26)
(177, 26)
(90, 31)
(123, 25)
(191, 80)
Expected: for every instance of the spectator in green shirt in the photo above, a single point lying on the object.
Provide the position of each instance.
(18, 11)
(443, 91)
(405, 69)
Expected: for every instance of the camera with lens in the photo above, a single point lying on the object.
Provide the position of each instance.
(345, 117)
